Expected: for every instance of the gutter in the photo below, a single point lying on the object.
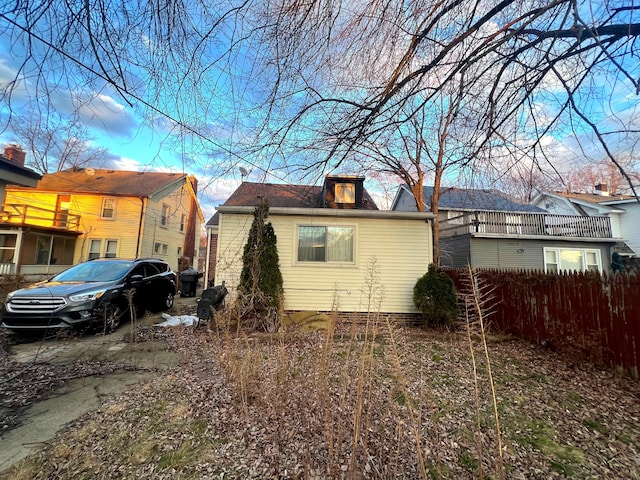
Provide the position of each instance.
(331, 212)
(140, 226)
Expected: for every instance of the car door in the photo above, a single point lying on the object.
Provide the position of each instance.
(140, 282)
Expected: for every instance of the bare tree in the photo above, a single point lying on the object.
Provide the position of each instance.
(55, 144)
(330, 75)
(511, 55)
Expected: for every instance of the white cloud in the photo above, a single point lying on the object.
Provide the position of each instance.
(127, 164)
(97, 110)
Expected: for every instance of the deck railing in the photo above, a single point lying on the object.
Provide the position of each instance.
(22, 214)
(537, 224)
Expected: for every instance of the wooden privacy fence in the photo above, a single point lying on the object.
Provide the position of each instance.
(595, 317)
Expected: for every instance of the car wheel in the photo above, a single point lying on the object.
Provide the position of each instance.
(113, 316)
(167, 301)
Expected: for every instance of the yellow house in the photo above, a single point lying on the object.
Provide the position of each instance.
(337, 251)
(79, 214)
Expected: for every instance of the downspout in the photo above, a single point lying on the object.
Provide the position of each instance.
(140, 226)
(208, 259)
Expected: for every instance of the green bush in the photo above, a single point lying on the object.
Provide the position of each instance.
(435, 296)
(261, 284)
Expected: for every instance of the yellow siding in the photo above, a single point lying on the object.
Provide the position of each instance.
(179, 202)
(391, 254)
(124, 227)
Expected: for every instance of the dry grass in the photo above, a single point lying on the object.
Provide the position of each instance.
(371, 401)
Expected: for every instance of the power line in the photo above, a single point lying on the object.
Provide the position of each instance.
(122, 90)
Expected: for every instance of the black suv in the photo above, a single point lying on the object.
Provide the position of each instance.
(93, 292)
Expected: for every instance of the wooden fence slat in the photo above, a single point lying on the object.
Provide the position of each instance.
(597, 317)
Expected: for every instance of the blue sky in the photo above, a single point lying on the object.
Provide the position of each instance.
(221, 126)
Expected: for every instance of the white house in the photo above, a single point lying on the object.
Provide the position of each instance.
(337, 251)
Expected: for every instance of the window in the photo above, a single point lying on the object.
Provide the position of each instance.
(43, 250)
(111, 249)
(8, 243)
(179, 251)
(95, 245)
(345, 193)
(183, 220)
(164, 217)
(108, 208)
(572, 259)
(325, 244)
(161, 248)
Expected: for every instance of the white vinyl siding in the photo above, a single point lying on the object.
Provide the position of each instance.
(389, 257)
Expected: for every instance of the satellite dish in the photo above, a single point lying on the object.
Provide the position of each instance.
(243, 172)
(90, 171)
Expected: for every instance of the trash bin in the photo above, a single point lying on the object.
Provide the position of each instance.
(215, 296)
(189, 279)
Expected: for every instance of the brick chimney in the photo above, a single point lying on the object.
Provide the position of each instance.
(15, 154)
(602, 189)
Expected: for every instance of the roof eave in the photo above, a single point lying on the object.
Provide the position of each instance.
(331, 212)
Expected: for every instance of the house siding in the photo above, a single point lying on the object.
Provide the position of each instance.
(125, 226)
(503, 253)
(630, 225)
(170, 235)
(455, 251)
(390, 256)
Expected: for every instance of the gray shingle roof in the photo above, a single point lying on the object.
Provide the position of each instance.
(473, 199)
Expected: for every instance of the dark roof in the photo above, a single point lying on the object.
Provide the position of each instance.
(290, 196)
(9, 166)
(215, 220)
(472, 199)
(113, 182)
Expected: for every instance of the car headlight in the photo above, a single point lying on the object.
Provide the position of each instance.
(87, 296)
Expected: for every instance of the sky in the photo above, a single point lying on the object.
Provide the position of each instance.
(220, 127)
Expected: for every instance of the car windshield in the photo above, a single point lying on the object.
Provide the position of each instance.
(94, 272)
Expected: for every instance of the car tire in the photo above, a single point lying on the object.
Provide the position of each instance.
(114, 313)
(166, 301)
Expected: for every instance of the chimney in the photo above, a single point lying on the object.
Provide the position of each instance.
(15, 154)
(602, 189)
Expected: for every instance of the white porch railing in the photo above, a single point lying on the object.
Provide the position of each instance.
(7, 268)
(540, 224)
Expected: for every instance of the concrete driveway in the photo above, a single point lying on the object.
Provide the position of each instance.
(140, 360)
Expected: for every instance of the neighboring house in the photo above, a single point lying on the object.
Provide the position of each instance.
(337, 251)
(622, 210)
(80, 214)
(13, 171)
(486, 229)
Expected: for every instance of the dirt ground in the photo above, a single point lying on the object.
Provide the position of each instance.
(45, 383)
(349, 406)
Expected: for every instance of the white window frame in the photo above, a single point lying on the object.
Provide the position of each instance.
(326, 261)
(556, 252)
(160, 248)
(164, 215)
(91, 253)
(104, 207)
(183, 222)
(345, 192)
(107, 243)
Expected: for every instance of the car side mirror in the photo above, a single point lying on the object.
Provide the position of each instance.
(136, 278)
